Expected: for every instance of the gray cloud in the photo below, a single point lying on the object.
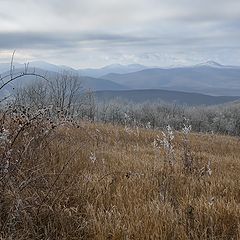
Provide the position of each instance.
(63, 40)
(98, 32)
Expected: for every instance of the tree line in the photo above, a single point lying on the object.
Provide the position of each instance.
(65, 96)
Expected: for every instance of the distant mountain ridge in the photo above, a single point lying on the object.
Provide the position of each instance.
(152, 96)
(90, 72)
(114, 68)
(210, 78)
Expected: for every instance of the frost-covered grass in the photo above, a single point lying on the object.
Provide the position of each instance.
(99, 181)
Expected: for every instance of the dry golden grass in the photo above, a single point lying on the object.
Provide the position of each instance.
(103, 182)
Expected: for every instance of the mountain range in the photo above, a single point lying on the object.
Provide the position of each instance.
(89, 72)
(208, 78)
(113, 68)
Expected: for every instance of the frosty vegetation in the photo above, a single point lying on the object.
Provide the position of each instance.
(223, 119)
(75, 168)
(66, 94)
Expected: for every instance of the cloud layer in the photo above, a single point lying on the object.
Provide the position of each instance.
(97, 32)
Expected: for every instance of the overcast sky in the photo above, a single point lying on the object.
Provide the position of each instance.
(93, 33)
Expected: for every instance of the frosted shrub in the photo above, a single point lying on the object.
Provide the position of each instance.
(93, 157)
(187, 156)
(166, 144)
(190, 162)
(186, 129)
(127, 119)
(26, 130)
(148, 125)
(4, 135)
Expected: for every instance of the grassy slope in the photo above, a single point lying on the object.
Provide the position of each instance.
(128, 192)
(156, 201)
